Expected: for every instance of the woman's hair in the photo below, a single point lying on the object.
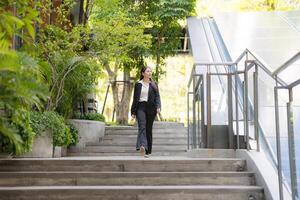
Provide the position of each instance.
(152, 82)
(142, 71)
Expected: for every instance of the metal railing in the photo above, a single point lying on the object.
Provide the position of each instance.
(200, 84)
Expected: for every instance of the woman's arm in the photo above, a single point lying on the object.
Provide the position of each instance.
(157, 99)
(133, 106)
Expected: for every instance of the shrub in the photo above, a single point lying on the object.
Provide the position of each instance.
(52, 121)
(90, 116)
(74, 133)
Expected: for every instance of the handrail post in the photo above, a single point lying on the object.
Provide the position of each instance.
(202, 111)
(256, 109)
(278, 145)
(188, 119)
(198, 123)
(230, 111)
(237, 109)
(246, 125)
(208, 104)
(291, 141)
(194, 114)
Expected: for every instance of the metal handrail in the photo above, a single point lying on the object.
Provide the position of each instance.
(287, 64)
(257, 62)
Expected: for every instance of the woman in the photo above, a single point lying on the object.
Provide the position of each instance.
(145, 105)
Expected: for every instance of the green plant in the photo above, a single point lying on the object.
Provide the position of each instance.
(52, 121)
(94, 116)
(90, 116)
(21, 87)
(74, 133)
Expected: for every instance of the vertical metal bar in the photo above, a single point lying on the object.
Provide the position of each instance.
(208, 103)
(256, 109)
(230, 111)
(202, 111)
(291, 142)
(194, 114)
(199, 125)
(237, 110)
(278, 145)
(246, 117)
(188, 120)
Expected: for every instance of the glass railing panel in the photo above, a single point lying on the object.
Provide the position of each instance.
(291, 74)
(296, 112)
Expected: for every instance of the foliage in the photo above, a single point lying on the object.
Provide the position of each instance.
(119, 43)
(163, 23)
(52, 121)
(70, 73)
(90, 116)
(115, 32)
(20, 80)
(209, 7)
(74, 133)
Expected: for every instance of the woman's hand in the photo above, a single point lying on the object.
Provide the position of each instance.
(158, 110)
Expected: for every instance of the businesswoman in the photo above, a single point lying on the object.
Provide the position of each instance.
(145, 105)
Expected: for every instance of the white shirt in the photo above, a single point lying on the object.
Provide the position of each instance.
(144, 91)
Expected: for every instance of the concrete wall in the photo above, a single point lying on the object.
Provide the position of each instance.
(43, 147)
(88, 131)
(265, 173)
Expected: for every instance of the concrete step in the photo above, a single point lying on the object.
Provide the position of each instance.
(124, 148)
(125, 178)
(133, 164)
(105, 154)
(162, 136)
(154, 132)
(156, 125)
(132, 141)
(132, 192)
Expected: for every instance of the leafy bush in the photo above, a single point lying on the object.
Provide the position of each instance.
(90, 116)
(74, 133)
(63, 135)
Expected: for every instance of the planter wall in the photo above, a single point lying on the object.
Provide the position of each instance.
(88, 131)
(42, 147)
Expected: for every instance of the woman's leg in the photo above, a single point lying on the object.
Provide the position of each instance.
(149, 125)
(141, 139)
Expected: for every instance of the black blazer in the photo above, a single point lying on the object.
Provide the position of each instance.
(153, 98)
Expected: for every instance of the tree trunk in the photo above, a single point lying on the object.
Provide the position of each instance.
(122, 105)
(121, 99)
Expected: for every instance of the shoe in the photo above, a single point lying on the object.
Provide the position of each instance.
(142, 151)
(147, 155)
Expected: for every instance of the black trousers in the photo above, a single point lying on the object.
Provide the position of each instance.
(145, 124)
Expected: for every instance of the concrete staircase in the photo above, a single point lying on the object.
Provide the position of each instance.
(128, 177)
(168, 139)
(131, 178)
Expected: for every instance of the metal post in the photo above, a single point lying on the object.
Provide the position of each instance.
(246, 125)
(194, 114)
(188, 120)
(208, 103)
(278, 145)
(291, 142)
(230, 111)
(202, 110)
(256, 109)
(237, 109)
(198, 123)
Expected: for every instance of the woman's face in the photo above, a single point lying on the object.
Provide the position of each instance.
(147, 73)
